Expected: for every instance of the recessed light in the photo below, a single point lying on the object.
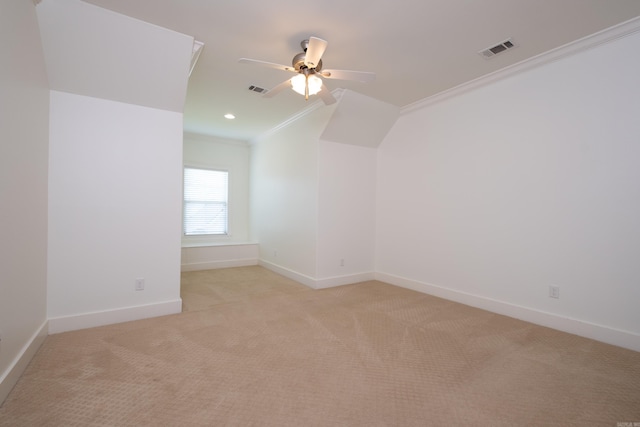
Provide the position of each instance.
(229, 116)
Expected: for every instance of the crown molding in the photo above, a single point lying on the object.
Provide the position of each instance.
(337, 94)
(608, 35)
(193, 136)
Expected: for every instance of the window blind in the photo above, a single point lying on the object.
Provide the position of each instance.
(205, 209)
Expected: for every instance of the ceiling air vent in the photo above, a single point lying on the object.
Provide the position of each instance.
(492, 51)
(257, 89)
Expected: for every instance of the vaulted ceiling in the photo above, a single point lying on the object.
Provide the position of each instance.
(416, 48)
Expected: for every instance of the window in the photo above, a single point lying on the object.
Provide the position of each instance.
(205, 208)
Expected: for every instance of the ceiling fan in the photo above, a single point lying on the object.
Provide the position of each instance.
(308, 67)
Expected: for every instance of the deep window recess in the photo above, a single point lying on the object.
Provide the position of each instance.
(205, 207)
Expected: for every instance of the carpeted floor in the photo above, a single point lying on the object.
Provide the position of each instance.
(255, 349)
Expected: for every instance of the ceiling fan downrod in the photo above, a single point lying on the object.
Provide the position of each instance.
(306, 84)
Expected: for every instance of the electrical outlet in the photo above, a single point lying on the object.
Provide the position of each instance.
(140, 284)
(554, 292)
(341, 262)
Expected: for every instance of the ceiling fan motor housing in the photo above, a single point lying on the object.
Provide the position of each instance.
(298, 62)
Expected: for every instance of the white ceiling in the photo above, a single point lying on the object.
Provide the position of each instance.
(85, 57)
(416, 48)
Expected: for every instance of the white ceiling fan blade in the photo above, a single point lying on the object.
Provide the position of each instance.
(266, 64)
(277, 89)
(359, 76)
(315, 50)
(326, 96)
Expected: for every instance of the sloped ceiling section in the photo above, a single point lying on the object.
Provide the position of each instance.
(360, 120)
(99, 53)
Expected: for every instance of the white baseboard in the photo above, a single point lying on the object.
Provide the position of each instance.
(582, 328)
(305, 280)
(108, 317)
(10, 377)
(209, 256)
(328, 282)
(212, 265)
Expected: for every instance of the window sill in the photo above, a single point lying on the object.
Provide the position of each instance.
(208, 244)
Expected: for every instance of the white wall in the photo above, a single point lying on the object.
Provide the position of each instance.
(491, 196)
(233, 249)
(24, 128)
(284, 195)
(115, 187)
(313, 203)
(232, 156)
(346, 213)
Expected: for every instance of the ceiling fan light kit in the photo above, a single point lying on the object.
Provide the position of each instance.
(308, 66)
(306, 85)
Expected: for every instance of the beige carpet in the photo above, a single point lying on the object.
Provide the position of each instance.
(256, 349)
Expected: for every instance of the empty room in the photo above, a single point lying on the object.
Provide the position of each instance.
(297, 213)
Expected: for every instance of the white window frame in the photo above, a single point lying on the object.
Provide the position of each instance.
(185, 202)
